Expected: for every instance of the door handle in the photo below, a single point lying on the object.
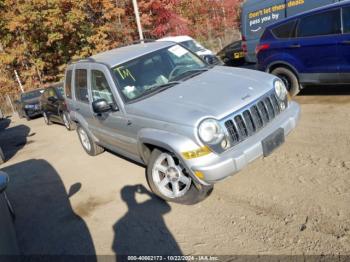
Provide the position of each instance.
(346, 42)
(295, 46)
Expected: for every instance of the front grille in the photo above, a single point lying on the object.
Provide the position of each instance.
(249, 121)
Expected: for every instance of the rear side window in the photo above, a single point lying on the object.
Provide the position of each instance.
(327, 23)
(285, 30)
(81, 92)
(68, 84)
(346, 20)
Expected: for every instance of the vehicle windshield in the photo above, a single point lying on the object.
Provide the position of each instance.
(156, 71)
(192, 45)
(31, 94)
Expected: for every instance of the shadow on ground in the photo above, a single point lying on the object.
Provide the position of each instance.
(46, 223)
(142, 230)
(12, 139)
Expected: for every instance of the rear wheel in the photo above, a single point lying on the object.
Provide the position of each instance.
(88, 144)
(66, 120)
(289, 79)
(170, 181)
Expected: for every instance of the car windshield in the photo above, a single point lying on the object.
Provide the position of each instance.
(192, 45)
(32, 94)
(157, 71)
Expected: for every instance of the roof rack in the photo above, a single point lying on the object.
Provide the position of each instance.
(87, 59)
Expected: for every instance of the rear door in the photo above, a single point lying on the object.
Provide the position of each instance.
(112, 128)
(316, 46)
(344, 47)
(52, 103)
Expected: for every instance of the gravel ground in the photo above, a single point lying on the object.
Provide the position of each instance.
(297, 201)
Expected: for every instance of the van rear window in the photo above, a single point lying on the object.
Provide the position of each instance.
(286, 30)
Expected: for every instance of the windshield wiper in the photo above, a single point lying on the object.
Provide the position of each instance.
(161, 87)
(193, 73)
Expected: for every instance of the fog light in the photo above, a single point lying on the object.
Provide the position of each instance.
(225, 144)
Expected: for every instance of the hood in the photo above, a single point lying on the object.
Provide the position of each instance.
(32, 101)
(216, 93)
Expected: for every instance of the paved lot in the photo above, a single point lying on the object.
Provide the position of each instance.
(293, 202)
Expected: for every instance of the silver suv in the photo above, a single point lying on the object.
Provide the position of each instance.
(191, 124)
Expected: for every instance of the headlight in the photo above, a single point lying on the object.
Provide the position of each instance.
(210, 131)
(280, 89)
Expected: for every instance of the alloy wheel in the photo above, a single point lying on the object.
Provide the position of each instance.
(169, 177)
(84, 139)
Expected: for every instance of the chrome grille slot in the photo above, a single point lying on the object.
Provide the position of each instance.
(232, 131)
(242, 129)
(248, 121)
(257, 117)
(264, 114)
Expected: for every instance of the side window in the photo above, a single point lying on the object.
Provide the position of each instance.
(81, 92)
(327, 23)
(346, 20)
(100, 88)
(286, 30)
(68, 84)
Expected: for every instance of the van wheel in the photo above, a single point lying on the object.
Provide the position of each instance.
(289, 78)
(170, 181)
(88, 144)
(46, 119)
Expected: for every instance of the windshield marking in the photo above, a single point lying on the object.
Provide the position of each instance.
(125, 73)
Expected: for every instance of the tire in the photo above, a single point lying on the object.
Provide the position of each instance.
(88, 144)
(187, 194)
(2, 157)
(67, 121)
(289, 78)
(28, 118)
(47, 119)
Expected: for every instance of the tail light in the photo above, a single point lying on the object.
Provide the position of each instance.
(244, 45)
(261, 47)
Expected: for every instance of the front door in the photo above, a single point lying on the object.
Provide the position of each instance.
(112, 128)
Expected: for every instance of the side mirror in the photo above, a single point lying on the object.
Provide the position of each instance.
(101, 106)
(52, 99)
(4, 180)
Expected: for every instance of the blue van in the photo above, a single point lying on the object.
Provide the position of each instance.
(258, 14)
(310, 48)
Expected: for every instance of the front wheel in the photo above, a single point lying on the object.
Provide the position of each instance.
(170, 181)
(289, 79)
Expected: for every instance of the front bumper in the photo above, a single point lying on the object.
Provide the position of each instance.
(33, 112)
(216, 167)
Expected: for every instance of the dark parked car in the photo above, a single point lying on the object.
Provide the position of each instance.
(28, 104)
(8, 241)
(54, 106)
(310, 48)
(232, 54)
